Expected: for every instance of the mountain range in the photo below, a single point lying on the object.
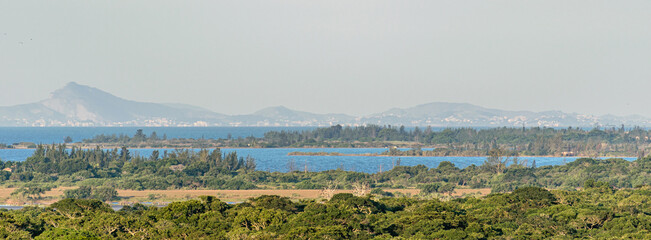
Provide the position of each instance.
(80, 105)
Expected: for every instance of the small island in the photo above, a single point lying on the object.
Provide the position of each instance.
(535, 141)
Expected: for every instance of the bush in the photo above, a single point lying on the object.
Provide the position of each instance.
(82, 192)
(105, 193)
(429, 188)
(533, 197)
(380, 192)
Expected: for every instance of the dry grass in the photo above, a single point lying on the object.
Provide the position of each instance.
(479, 191)
(48, 198)
(129, 196)
(238, 195)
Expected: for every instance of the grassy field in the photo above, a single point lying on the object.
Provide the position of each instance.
(165, 196)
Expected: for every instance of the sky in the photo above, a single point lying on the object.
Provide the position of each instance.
(353, 57)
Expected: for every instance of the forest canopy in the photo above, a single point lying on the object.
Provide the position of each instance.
(526, 213)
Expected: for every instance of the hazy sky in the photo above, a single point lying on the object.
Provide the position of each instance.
(354, 57)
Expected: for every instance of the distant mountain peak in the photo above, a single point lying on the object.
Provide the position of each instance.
(81, 105)
(72, 83)
(279, 107)
(445, 104)
(75, 90)
(76, 86)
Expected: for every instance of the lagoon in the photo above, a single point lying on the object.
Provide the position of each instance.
(277, 159)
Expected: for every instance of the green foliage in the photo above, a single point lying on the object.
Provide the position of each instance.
(86, 192)
(274, 202)
(177, 169)
(526, 213)
(73, 208)
(605, 208)
(447, 142)
(82, 192)
(105, 193)
(469, 141)
(532, 197)
(380, 192)
(67, 234)
(184, 212)
(31, 191)
(185, 169)
(430, 188)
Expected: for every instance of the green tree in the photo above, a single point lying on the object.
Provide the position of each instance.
(67, 233)
(496, 161)
(32, 192)
(447, 188)
(82, 192)
(153, 136)
(139, 136)
(105, 193)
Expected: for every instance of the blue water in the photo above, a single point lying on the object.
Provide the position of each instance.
(276, 159)
(269, 159)
(48, 135)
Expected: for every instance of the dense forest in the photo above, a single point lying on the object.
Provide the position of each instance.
(57, 165)
(597, 211)
(534, 141)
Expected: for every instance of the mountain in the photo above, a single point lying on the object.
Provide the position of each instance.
(186, 106)
(79, 105)
(464, 114)
(32, 114)
(467, 115)
(282, 116)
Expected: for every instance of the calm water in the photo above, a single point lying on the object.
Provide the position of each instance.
(48, 135)
(269, 159)
(276, 159)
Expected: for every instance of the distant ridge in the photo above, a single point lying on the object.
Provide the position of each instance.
(80, 105)
(282, 116)
(464, 114)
